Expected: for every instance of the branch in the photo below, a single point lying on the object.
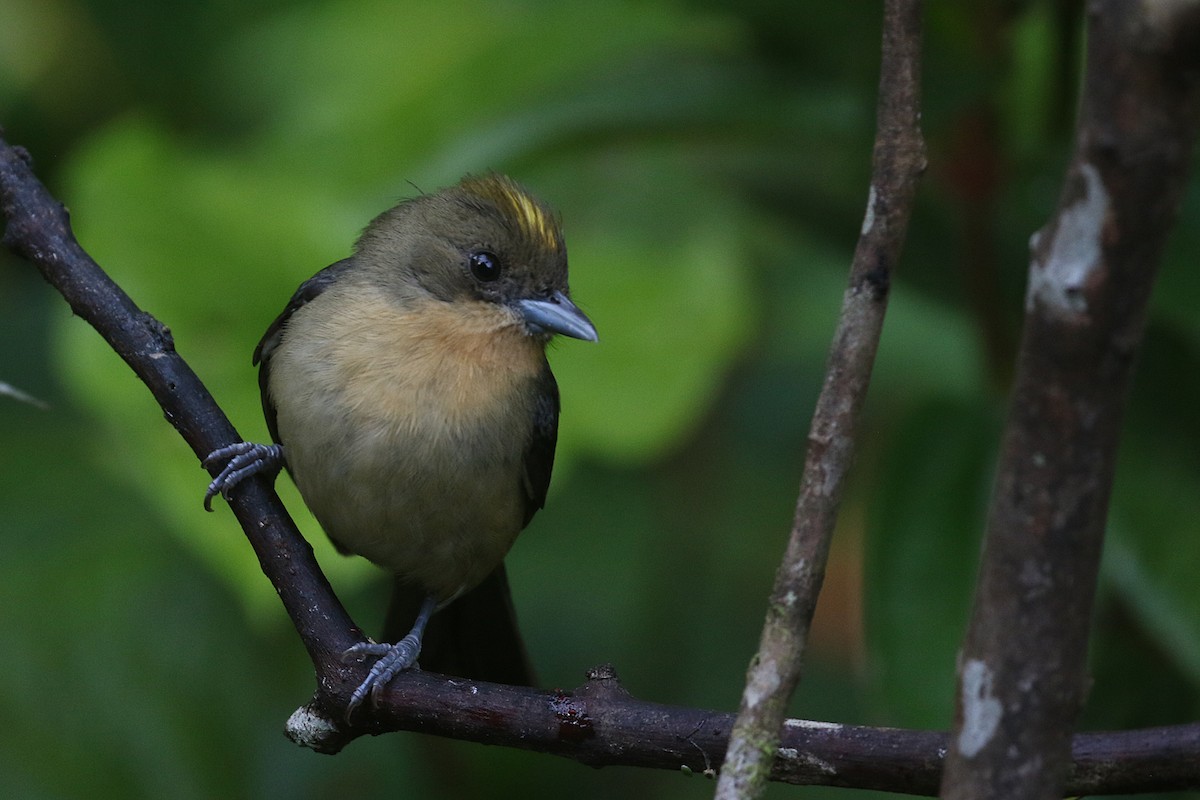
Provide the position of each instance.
(899, 160)
(599, 724)
(1022, 668)
(39, 229)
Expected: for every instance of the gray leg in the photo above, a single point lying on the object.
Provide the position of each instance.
(393, 658)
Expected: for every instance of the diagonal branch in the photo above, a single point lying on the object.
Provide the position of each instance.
(899, 160)
(39, 229)
(1022, 668)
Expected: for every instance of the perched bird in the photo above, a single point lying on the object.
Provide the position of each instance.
(408, 394)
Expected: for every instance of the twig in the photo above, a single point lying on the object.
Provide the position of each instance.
(8, 390)
(899, 160)
(1022, 667)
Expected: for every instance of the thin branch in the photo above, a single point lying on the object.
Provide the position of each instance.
(899, 160)
(1022, 668)
(39, 229)
(8, 390)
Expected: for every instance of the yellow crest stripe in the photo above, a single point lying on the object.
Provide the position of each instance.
(534, 219)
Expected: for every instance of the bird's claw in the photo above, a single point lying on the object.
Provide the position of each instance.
(393, 659)
(243, 459)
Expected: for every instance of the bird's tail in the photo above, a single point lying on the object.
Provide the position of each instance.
(476, 636)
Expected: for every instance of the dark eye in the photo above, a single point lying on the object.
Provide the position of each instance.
(485, 266)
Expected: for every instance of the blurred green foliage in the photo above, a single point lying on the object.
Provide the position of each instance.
(710, 160)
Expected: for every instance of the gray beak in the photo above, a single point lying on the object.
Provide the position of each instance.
(557, 314)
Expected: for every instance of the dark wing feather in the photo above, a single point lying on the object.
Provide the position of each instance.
(539, 455)
(270, 340)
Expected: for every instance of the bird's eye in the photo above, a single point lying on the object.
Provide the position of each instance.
(485, 266)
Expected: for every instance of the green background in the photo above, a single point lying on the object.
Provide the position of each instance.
(710, 160)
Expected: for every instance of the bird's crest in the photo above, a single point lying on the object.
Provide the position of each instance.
(534, 220)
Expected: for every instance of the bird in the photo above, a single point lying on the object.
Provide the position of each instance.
(407, 393)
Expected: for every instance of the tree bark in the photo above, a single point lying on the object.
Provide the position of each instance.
(1022, 678)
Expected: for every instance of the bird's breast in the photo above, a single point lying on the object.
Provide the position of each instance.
(405, 429)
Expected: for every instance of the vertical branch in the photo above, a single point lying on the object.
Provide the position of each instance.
(898, 161)
(1022, 665)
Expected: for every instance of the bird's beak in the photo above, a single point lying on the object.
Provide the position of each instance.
(557, 314)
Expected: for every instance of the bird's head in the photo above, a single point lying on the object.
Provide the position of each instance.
(486, 239)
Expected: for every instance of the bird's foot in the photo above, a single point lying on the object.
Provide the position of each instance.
(393, 659)
(243, 460)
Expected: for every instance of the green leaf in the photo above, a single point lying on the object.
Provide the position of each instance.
(669, 294)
